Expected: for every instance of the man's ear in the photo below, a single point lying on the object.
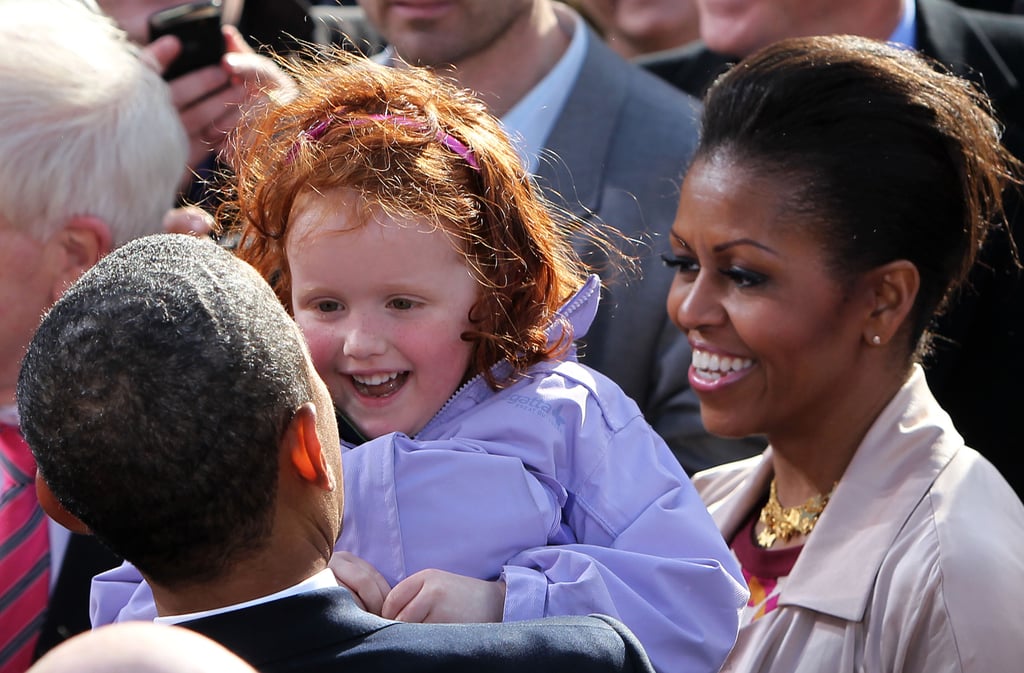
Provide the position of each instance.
(56, 511)
(76, 248)
(305, 450)
(894, 288)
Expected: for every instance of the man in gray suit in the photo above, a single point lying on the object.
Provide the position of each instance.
(173, 410)
(607, 142)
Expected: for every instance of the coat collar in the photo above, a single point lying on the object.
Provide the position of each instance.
(906, 449)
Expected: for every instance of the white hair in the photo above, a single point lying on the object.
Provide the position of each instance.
(86, 126)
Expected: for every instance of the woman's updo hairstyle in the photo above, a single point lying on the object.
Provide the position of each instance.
(887, 155)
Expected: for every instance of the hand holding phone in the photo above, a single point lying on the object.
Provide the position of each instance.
(197, 26)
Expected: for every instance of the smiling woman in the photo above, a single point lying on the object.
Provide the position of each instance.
(839, 195)
(757, 268)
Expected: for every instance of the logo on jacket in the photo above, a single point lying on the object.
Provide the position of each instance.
(538, 407)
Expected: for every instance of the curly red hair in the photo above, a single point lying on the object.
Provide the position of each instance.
(340, 131)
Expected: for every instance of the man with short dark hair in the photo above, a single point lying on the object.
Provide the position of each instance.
(174, 412)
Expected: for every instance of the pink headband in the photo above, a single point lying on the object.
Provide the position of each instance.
(315, 131)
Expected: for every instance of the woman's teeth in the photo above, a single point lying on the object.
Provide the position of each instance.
(713, 366)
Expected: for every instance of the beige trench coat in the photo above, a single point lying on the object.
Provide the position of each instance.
(916, 565)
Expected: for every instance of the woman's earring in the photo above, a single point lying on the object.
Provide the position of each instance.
(876, 340)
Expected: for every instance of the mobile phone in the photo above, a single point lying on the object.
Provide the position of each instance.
(197, 25)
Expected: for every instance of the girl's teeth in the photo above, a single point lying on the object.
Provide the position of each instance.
(375, 379)
(379, 385)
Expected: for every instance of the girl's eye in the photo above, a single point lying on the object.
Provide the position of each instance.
(743, 277)
(683, 263)
(401, 304)
(327, 306)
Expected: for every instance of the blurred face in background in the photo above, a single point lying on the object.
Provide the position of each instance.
(133, 15)
(444, 32)
(741, 27)
(634, 27)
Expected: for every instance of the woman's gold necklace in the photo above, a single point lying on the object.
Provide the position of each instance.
(784, 522)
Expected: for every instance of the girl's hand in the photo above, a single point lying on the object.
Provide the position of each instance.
(367, 585)
(436, 596)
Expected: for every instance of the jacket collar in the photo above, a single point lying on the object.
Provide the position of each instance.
(580, 310)
(290, 628)
(906, 449)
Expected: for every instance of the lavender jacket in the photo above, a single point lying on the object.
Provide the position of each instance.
(555, 484)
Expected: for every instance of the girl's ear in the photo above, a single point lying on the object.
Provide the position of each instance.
(894, 288)
(55, 510)
(305, 450)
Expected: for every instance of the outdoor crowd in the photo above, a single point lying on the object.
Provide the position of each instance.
(672, 336)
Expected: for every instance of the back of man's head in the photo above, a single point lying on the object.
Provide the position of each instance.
(88, 127)
(154, 396)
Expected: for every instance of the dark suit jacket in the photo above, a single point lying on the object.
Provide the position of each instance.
(977, 371)
(325, 631)
(978, 374)
(691, 68)
(67, 613)
(617, 154)
(1011, 6)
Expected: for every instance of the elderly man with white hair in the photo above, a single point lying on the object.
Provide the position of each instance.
(91, 155)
